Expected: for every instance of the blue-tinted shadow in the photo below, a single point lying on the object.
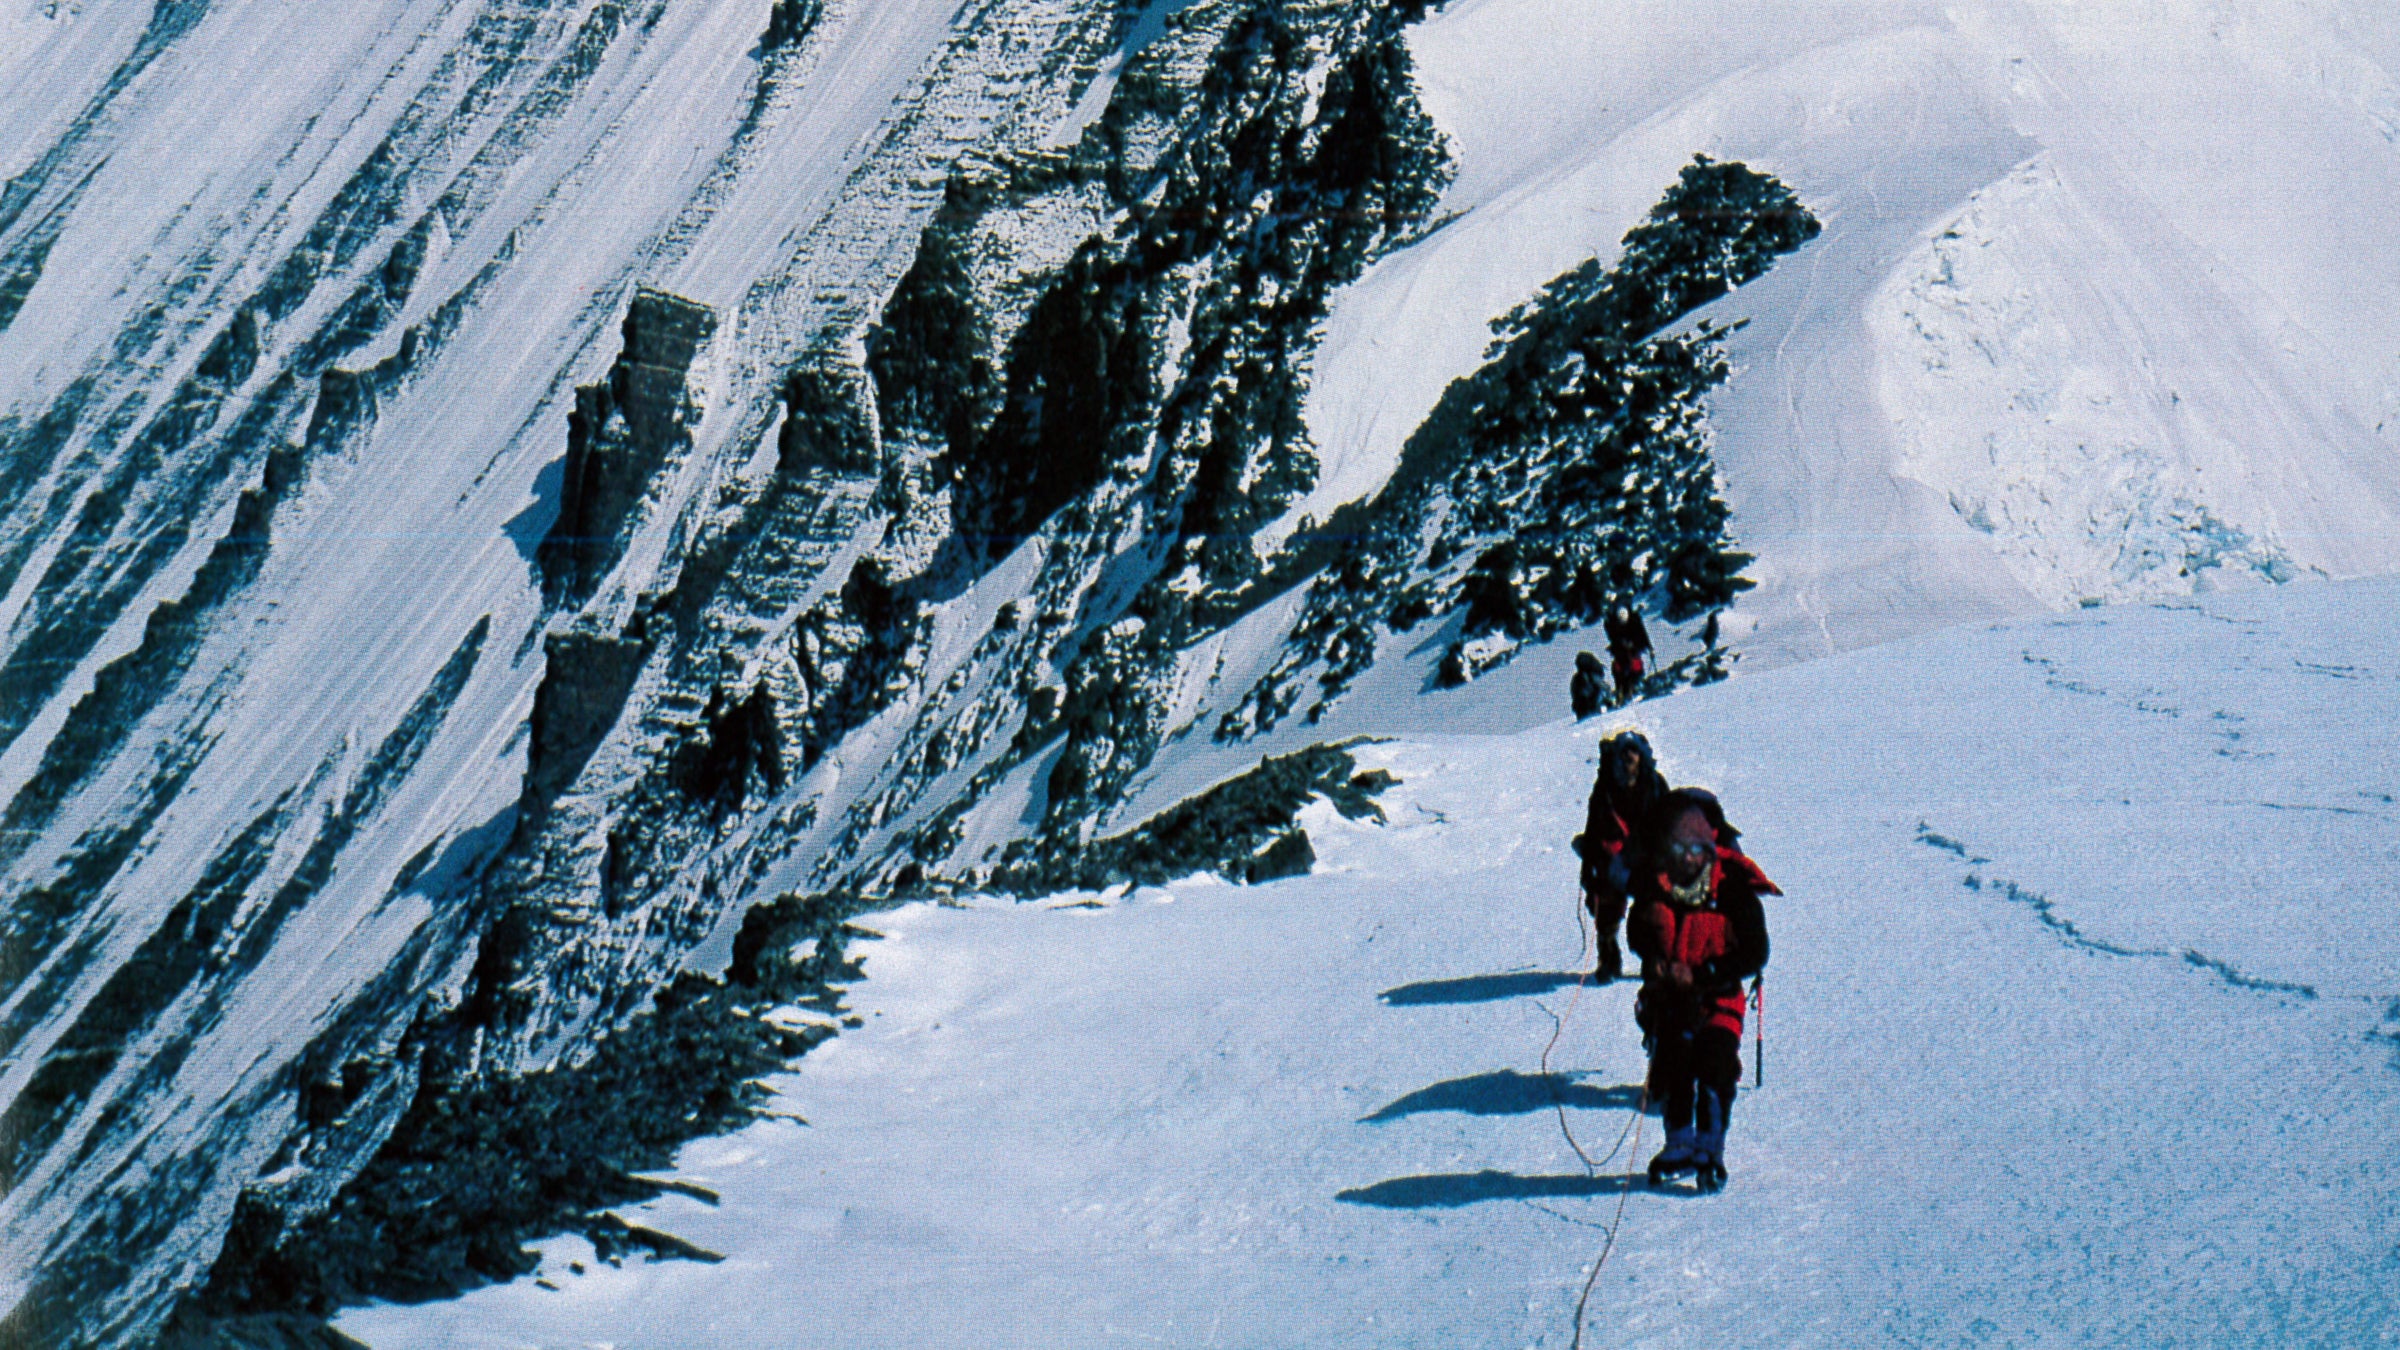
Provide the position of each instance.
(526, 528)
(1508, 1093)
(1481, 988)
(1450, 1190)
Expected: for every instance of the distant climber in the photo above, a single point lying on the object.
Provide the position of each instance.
(1625, 795)
(1586, 691)
(1628, 650)
(1700, 929)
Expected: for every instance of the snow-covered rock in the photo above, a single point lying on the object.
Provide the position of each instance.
(2100, 311)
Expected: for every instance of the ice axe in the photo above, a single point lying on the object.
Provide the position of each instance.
(1758, 1002)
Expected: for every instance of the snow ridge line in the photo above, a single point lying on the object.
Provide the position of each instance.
(2046, 911)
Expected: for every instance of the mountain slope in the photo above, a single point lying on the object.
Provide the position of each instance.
(279, 415)
(2097, 312)
(499, 494)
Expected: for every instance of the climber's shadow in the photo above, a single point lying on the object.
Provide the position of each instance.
(1509, 1093)
(1449, 1190)
(1480, 988)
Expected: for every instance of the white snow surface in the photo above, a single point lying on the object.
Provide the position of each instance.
(2104, 306)
(2082, 1027)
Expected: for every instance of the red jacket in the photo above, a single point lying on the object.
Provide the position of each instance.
(1723, 940)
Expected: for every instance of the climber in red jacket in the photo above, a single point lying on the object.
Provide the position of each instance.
(1628, 648)
(1700, 929)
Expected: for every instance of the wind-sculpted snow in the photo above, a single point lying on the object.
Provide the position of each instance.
(2047, 910)
(2104, 481)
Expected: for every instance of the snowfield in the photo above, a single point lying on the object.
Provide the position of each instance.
(2082, 1027)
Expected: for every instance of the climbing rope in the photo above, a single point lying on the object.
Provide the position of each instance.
(1587, 939)
(1558, 1028)
(1614, 1224)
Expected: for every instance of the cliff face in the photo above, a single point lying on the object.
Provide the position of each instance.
(437, 632)
(621, 434)
(984, 532)
(288, 362)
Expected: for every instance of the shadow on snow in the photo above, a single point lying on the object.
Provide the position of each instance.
(1449, 1190)
(1508, 1093)
(1480, 988)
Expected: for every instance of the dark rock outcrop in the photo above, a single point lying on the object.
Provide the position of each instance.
(1569, 475)
(584, 685)
(1241, 829)
(829, 419)
(482, 1164)
(790, 22)
(620, 435)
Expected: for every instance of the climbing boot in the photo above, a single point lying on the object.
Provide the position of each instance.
(1680, 1155)
(1710, 1111)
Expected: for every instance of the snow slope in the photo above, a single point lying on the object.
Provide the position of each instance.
(2083, 1027)
(2102, 308)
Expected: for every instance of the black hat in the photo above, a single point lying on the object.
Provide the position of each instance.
(1636, 741)
(1684, 799)
(1587, 661)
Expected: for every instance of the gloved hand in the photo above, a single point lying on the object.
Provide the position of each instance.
(1653, 919)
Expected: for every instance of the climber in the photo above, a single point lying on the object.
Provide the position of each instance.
(1625, 794)
(1585, 691)
(1628, 646)
(1700, 929)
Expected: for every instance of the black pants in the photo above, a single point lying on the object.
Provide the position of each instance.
(1685, 1060)
(1607, 906)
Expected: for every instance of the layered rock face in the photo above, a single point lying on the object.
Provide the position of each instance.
(621, 434)
(292, 332)
(450, 646)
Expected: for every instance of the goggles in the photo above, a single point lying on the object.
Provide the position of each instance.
(1689, 850)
